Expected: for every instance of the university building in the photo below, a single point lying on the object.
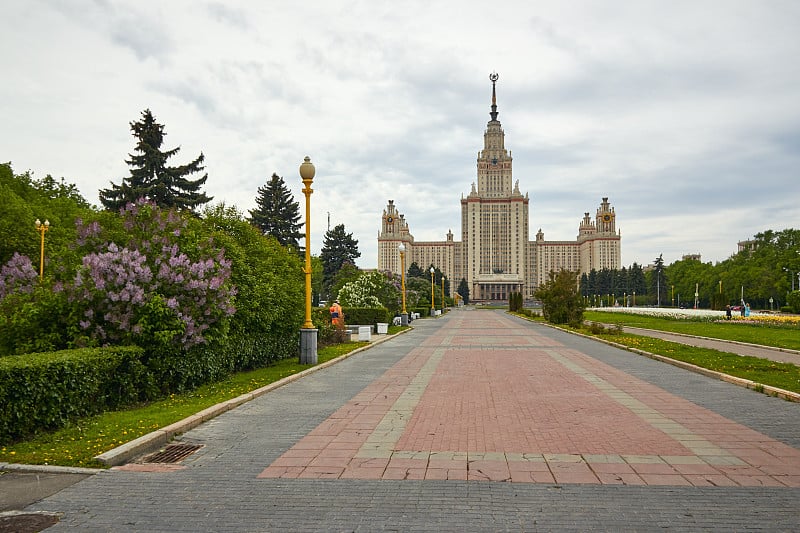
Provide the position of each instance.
(494, 254)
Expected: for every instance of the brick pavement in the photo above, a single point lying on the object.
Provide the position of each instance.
(486, 399)
(557, 410)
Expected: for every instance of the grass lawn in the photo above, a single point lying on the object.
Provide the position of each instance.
(782, 375)
(77, 444)
(779, 337)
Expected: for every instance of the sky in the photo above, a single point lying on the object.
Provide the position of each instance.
(685, 114)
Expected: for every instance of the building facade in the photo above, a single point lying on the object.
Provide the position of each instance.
(495, 255)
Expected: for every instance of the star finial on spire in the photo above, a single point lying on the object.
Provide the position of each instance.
(493, 77)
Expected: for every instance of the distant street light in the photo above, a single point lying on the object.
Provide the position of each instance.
(403, 313)
(42, 229)
(433, 308)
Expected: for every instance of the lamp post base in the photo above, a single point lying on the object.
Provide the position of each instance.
(308, 346)
(404, 319)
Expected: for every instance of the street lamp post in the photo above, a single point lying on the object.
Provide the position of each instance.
(42, 229)
(634, 298)
(443, 294)
(308, 333)
(433, 308)
(404, 313)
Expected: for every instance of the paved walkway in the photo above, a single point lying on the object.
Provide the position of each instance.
(474, 421)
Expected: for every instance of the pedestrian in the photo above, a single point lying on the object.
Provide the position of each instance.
(728, 312)
(337, 315)
(742, 308)
(747, 309)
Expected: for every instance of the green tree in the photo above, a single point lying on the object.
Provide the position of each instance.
(24, 199)
(463, 290)
(348, 273)
(338, 248)
(277, 213)
(152, 178)
(561, 301)
(414, 271)
(271, 289)
(658, 281)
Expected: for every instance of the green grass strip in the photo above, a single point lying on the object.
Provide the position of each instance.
(778, 337)
(782, 375)
(79, 443)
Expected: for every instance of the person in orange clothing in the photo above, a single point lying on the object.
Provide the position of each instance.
(337, 315)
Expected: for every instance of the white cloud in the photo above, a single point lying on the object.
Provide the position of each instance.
(685, 116)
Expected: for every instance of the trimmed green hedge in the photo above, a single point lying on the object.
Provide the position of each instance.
(47, 390)
(366, 315)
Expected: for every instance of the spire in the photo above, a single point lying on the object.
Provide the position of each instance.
(494, 76)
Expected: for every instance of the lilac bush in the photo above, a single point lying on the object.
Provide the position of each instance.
(122, 289)
(17, 275)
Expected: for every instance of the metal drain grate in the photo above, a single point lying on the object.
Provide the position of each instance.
(173, 453)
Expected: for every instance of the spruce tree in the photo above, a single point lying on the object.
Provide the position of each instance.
(339, 247)
(463, 290)
(277, 213)
(151, 177)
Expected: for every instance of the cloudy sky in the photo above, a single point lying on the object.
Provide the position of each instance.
(686, 114)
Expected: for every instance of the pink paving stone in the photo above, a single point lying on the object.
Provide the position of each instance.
(789, 481)
(621, 478)
(362, 473)
(757, 481)
(321, 472)
(611, 468)
(665, 479)
(524, 401)
(709, 480)
(653, 468)
(697, 469)
(520, 476)
(528, 466)
(292, 461)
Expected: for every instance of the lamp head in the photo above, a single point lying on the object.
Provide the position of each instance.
(433, 270)
(307, 169)
(402, 247)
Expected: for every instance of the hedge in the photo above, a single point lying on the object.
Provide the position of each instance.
(366, 315)
(45, 391)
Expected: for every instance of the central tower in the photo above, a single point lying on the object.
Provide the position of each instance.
(494, 219)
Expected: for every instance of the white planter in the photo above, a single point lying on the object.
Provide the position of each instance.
(383, 328)
(364, 333)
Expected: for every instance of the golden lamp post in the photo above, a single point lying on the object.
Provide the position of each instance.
(433, 308)
(403, 314)
(42, 229)
(308, 334)
(443, 294)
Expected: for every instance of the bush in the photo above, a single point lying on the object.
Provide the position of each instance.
(561, 301)
(793, 301)
(366, 315)
(47, 390)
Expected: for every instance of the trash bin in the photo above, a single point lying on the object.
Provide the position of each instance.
(364, 333)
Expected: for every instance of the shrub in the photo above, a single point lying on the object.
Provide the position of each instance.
(366, 315)
(47, 390)
(561, 301)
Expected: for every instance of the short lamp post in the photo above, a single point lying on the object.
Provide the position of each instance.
(433, 308)
(308, 333)
(634, 298)
(42, 229)
(403, 313)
